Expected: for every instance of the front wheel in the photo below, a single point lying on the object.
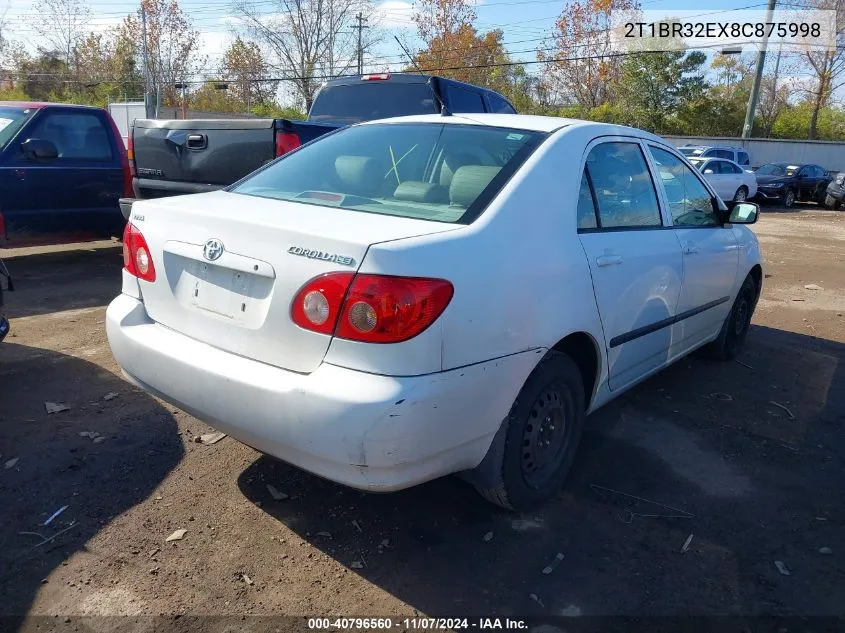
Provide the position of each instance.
(735, 328)
(543, 430)
(741, 194)
(789, 199)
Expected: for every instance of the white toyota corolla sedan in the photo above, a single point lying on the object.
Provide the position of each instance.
(414, 297)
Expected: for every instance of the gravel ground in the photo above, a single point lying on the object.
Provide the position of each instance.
(747, 457)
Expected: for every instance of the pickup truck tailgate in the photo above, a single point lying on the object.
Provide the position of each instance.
(206, 152)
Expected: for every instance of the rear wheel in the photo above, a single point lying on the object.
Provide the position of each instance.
(741, 194)
(789, 199)
(543, 430)
(735, 328)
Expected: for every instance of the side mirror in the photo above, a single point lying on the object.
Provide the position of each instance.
(39, 149)
(741, 212)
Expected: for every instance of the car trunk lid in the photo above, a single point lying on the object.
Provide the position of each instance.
(228, 266)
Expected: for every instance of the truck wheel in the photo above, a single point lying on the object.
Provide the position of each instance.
(741, 194)
(543, 430)
(735, 328)
(789, 199)
(832, 203)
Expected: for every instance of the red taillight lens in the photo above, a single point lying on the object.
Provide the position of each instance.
(376, 77)
(317, 305)
(373, 308)
(385, 309)
(127, 159)
(136, 254)
(286, 142)
(2, 227)
(130, 153)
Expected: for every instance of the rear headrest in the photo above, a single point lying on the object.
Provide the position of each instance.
(359, 174)
(468, 182)
(416, 191)
(451, 164)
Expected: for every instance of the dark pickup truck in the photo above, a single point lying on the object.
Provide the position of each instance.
(192, 156)
(63, 169)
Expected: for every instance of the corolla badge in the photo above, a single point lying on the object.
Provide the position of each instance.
(213, 249)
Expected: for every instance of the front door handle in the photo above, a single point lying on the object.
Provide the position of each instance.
(690, 250)
(608, 260)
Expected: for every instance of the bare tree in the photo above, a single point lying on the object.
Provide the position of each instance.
(63, 24)
(172, 45)
(308, 39)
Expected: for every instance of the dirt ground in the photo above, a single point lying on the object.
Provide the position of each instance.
(746, 458)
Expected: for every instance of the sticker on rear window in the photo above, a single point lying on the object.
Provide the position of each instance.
(4, 123)
(514, 137)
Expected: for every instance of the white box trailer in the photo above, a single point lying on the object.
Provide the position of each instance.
(124, 115)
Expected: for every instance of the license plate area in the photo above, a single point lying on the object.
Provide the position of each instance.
(223, 291)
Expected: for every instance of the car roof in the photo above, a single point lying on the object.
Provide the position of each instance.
(521, 122)
(37, 105)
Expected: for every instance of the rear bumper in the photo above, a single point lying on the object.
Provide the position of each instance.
(371, 432)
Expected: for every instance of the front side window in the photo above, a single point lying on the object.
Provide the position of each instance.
(623, 186)
(79, 136)
(690, 202)
(429, 171)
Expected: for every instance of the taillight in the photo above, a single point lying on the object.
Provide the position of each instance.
(376, 77)
(130, 153)
(375, 309)
(136, 254)
(127, 159)
(2, 227)
(286, 142)
(317, 305)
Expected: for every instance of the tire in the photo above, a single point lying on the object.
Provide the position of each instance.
(541, 436)
(741, 194)
(832, 203)
(789, 199)
(735, 328)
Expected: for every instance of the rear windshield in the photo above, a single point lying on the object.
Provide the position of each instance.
(773, 169)
(690, 151)
(11, 121)
(370, 100)
(429, 171)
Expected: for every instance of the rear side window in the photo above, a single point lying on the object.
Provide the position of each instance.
(78, 136)
(11, 121)
(370, 100)
(743, 159)
(720, 153)
(623, 187)
(586, 208)
(461, 100)
(499, 105)
(689, 200)
(429, 171)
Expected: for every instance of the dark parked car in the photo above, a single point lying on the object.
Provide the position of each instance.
(787, 183)
(63, 169)
(192, 156)
(5, 280)
(835, 191)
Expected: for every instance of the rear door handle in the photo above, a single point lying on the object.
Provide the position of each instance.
(608, 260)
(196, 141)
(690, 250)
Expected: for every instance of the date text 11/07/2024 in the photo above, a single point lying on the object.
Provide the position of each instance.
(416, 624)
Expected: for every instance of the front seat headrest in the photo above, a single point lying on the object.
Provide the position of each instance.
(468, 183)
(360, 175)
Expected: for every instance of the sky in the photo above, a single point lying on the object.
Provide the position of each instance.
(524, 22)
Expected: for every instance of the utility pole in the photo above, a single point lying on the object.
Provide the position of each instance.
(148, 107)
(774, 92)
(360, 28)
(758, 77)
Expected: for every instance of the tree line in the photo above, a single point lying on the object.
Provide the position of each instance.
(284, 53)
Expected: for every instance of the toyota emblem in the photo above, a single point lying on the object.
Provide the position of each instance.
(213, 249)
